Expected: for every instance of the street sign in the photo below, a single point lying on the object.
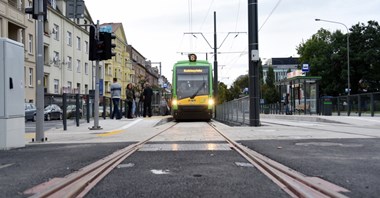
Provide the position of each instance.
(305, 67)
(100, 87)
(106, 28)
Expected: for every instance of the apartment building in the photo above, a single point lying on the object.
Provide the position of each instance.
(119, 66)
(66, 50)
(15, 25)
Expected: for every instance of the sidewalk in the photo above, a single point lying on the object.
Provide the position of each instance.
(353, 120)
(107, 126)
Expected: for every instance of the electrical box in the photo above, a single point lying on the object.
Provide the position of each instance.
(12, 94)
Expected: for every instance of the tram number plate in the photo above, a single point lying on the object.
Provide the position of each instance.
(192, 101)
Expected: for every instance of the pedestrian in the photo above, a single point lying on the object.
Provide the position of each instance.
(147, 96)
(286, 103)
(163, 106)
(115, 95)
(130, 94)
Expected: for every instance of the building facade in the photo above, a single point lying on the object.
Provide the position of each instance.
(280, 66)
(119, 66)
(67, 68)
(16, 25)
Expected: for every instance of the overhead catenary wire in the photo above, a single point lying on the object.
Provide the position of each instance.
(245, 52)
(208, 12)
(270, 14)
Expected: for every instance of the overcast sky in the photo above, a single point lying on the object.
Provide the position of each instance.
(156, 27)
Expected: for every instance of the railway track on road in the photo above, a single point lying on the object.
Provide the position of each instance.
(291, 181)
(79, 183)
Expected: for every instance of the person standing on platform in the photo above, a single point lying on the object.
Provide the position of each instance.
(115, 95)
(286, 103)
(147, 96)
(130, 94)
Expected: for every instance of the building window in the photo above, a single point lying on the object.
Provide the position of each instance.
(29, 6)
(86, 46)
(86, 68)
(78, 66)
(69, 86)
(53, 4)
(30, 81)
(69, 63)
(56, 86)
(78, 43)
(55, 58)
(69, 39)
(30, 44)
(55, 31)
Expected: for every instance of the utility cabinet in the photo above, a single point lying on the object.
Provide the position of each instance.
(12, 94)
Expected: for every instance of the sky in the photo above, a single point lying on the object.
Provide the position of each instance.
(159, 29)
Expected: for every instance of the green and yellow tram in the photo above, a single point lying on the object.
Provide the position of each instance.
(192, 90)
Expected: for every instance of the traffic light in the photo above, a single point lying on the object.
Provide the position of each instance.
(96, 46)
(34, 9)
(108, 45)
(101, 49)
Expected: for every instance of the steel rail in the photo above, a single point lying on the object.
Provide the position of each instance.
(78, 184)
(291, 181)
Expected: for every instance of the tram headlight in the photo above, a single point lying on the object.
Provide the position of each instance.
(211, 101)
(174, 102)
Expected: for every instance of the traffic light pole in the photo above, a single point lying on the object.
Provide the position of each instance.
(96, 97)
(40, 134)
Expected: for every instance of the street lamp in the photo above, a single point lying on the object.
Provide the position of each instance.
(348, 52)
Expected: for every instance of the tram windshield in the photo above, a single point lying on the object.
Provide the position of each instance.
(192, 84)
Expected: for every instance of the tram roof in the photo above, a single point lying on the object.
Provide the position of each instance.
(197, 63)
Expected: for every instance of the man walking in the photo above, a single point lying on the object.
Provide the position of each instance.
(115, 95)
(147, 96)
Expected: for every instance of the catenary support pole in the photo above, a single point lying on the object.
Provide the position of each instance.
(254, 82)
(215, 63)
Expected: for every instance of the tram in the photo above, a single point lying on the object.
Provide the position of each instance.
(192, 90)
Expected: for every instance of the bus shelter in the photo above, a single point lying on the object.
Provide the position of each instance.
(299, 95)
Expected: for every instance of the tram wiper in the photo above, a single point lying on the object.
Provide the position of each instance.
(195, 94)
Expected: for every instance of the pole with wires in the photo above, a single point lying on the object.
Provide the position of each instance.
(253, 51)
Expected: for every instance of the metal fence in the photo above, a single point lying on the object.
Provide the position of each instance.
(368, 104)
(85, 103)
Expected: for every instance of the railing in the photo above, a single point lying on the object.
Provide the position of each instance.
(234, 112)
(368, 104)
(85, 103)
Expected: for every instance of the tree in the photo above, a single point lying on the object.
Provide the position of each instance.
(270, 93)
(326, 54)
(223, 93)
(365, 53)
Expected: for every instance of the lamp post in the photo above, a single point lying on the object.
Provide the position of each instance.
(348, 52)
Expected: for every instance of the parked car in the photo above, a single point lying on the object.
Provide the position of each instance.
(70, 111)
(30, 112)
(53, 112)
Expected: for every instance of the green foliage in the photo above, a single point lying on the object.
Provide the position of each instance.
(270, 93)
(222, 93)
(326, 54)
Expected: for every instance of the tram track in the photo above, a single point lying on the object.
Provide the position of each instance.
(79, 183)
(291, 181)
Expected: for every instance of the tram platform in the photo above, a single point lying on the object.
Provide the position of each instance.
(272, 125)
